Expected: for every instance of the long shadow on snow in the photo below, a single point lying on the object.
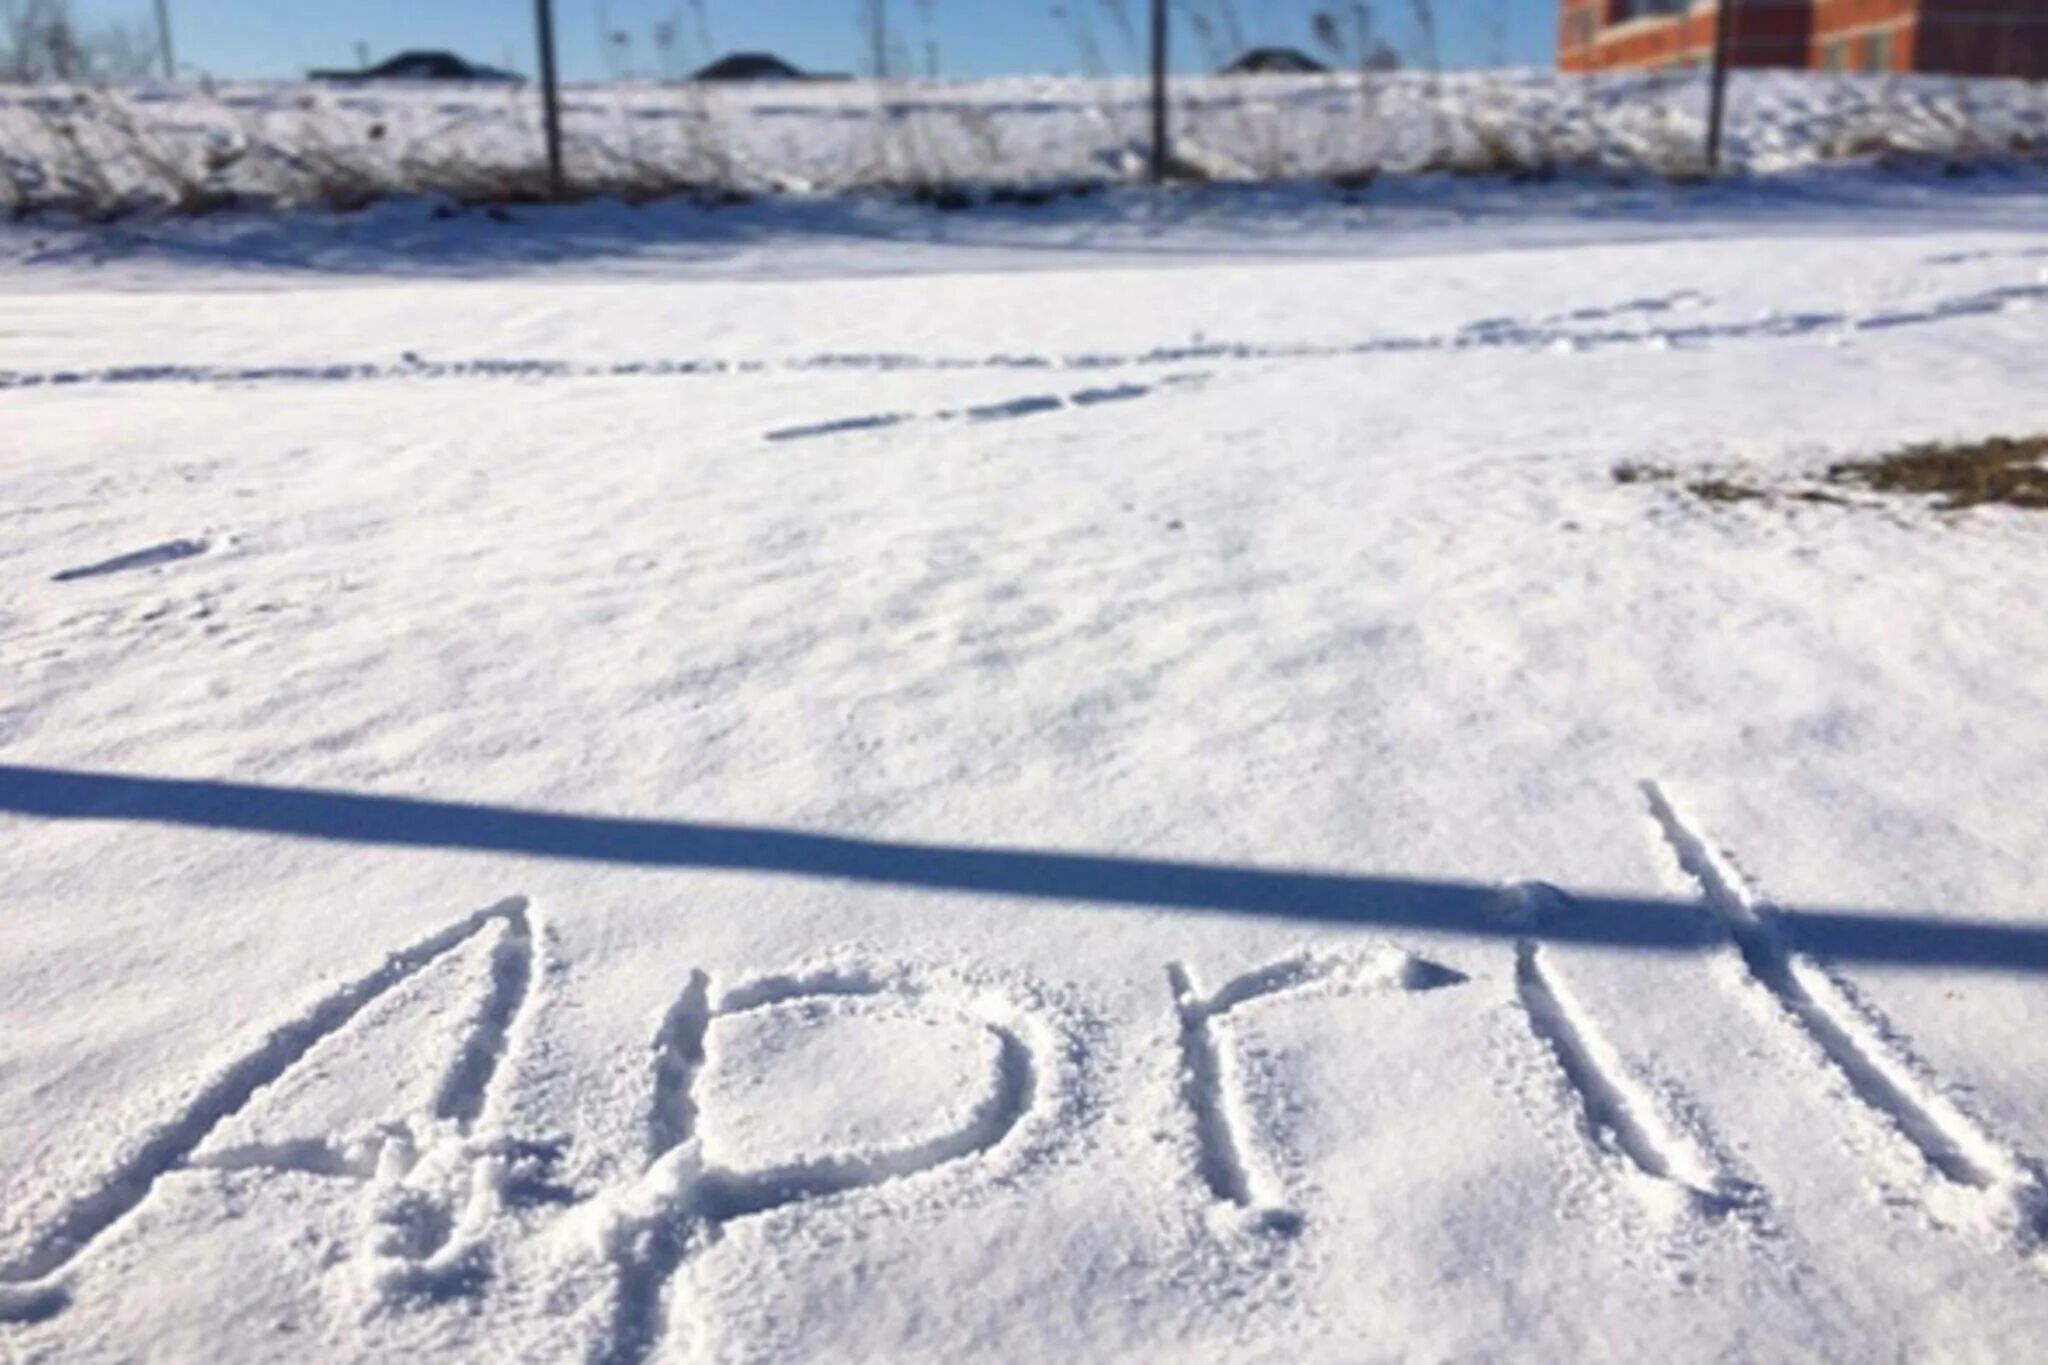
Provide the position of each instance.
(1635, 922)
(777, 237)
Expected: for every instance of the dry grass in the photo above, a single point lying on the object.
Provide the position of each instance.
(102, 154)
(1630, 472)
(2000, 470)
(1724, 490)
(2003, 470)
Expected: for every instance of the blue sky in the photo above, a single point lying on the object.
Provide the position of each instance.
(969, 37)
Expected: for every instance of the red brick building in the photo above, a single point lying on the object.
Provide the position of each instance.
(1962, 37)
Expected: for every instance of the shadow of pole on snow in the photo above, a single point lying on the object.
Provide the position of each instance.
(1640, 923)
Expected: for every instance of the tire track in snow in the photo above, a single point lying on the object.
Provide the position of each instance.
(684, 1203)
(1491, 334)
(1888, 1081)
(1219, 1156)
(29, 1289)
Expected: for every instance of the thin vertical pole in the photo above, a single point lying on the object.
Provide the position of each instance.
(1161, 154)
(163, 39)
(550, 94)
(1717, 105)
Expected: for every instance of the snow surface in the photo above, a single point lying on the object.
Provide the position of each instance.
(1023, 790)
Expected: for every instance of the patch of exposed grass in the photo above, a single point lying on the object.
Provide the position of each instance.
(2004, 470)
(2000, 470)
(1724, 490)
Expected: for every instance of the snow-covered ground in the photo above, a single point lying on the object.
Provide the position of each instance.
(1019, 791)
(138, 147)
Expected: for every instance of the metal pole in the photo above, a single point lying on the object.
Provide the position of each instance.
(1717, 104)
(550, 94)
(1161, 154)
(163, 38)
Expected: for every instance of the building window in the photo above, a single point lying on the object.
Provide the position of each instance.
(1578, 29)
(1834, 55)
(1622, 11)
(1877, 52)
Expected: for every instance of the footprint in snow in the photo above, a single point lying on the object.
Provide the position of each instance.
(168, 552)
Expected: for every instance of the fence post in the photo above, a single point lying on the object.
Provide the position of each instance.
(1161, 154)
(163, 39)
(878, 37)
(1717, 103)
(550, 95)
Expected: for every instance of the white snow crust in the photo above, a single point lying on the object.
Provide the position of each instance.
(1070, 790)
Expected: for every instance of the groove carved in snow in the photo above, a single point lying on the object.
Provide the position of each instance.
(416, 1244)
(1225, 1166)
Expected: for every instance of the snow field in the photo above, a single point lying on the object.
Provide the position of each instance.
(538, 828)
